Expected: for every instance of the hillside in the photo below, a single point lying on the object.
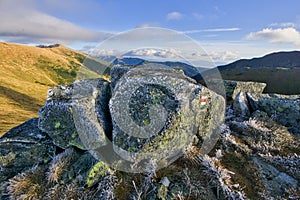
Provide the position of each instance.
(27, 73)
(281, 71)
(278, 59)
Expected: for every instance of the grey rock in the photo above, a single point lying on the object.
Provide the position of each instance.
(23, 147)
(157, 111)
(233, 88)
(77, 114)
(116, 72)
(240, 105)
(282, 108)
(165, 181)
(275, 181)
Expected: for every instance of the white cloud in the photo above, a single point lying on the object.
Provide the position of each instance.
(283, 25)
(22, 22)
(280, 35)
(96, 52)
(174, 16)
(211, 30)
(217, 56)
(146, 53)
(154, 53)
(224, 56)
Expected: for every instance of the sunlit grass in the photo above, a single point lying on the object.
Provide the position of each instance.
(28, 72)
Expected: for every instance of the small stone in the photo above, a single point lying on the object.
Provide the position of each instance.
(165, 181)
(241, 106)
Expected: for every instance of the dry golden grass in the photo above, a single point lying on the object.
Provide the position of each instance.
(27, 185)
(26, 74)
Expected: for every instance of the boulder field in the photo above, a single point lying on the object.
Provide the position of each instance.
(154, 133)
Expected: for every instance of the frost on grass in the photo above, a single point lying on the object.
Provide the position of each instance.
(222, 179)
(59, 163)
(27, 185)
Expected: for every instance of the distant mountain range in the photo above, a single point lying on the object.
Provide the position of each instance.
(281, 71)
(273, 60)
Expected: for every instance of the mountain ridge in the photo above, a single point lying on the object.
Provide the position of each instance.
(292, 59)
(279, 70)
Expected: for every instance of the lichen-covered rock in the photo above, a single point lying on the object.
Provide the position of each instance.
(73, 166)
(157, 111)
(77, 114)
(234, 87)
(96, 173)
(282, 108)
(23, 147)
(123, 65)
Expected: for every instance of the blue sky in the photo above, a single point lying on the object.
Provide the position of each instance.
(226, 30)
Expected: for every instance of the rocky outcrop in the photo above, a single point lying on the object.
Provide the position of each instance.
(275, 181)
(233, 88)
(91, 135)
(230, 89)
(282, 108)
(116, 72)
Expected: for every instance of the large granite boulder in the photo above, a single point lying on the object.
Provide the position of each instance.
(77, 114)
(157, 114)
(157, 111)
(282, 108)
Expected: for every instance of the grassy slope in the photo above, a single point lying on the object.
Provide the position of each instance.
(26, 75)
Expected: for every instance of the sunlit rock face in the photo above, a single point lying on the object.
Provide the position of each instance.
(77, 114)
